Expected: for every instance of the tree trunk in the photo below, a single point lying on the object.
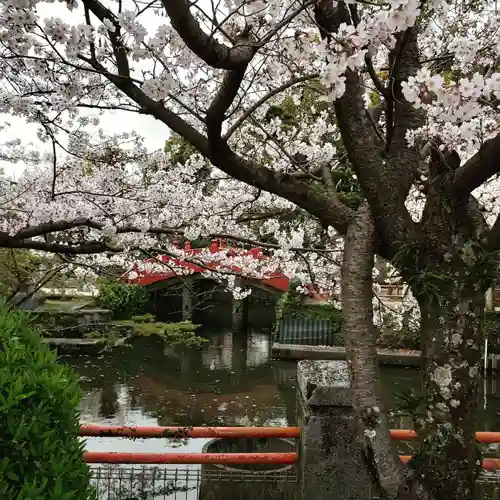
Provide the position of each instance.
(452, 343)
(392, 479)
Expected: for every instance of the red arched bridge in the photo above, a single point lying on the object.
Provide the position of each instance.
(175, 268)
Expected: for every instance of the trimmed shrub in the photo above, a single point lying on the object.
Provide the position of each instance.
(491, 325)
(394, 334)
(123, 300)
(40, 451)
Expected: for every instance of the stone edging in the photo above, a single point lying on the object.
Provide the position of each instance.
(389, 357)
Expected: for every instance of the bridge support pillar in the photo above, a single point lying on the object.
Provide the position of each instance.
(187, 301)
(240, 311)
(330, 455)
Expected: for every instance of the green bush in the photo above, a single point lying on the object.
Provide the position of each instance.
(395, 335)
(123, 300)
(291, 305)
(491, 327)
(41, 453)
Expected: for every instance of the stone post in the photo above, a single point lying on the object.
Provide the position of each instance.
(330, 456)
(187, 301)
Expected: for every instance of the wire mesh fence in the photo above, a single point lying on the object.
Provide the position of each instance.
(201, 483)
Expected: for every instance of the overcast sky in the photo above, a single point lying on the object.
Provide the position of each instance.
(153, 131)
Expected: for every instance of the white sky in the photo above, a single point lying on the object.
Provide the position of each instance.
(155, 133)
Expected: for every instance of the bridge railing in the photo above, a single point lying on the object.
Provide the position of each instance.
(489, 464)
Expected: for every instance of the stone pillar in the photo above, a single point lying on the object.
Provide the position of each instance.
(240, 311)
(330, 457)
(187, 301)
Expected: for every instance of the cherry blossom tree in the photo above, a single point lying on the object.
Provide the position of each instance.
(270, 100)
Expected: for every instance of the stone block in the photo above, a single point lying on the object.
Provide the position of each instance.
(331, 462)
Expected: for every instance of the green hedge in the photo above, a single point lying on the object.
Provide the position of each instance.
(391, 334)
(41, 453)
(123, 300)
(290, 305)
(491, 327)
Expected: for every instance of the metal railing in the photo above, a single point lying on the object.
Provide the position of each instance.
(222, 476)
(489, 464)
(218, 476)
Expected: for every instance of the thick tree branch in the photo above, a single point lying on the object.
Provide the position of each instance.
(120, 51)
(359, 334)
(203, 45)
(23, 238)
(327, 209)
(403, 160)
(219, 106)
(395, 481)
(382, 182)
(478, 169)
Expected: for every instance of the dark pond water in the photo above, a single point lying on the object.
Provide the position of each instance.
(230, 381)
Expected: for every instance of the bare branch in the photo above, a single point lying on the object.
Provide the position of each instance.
(357, 312)
(264, 99)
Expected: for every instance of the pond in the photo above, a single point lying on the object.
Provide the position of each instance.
(231, 381)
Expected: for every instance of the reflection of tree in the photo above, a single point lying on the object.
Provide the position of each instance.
(176, 386)
(109, 401)
(178, 407)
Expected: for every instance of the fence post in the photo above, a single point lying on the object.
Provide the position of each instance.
(330, 456)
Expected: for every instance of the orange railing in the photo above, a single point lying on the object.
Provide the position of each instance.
(227, 432)
(190, 432)
(93, 457)
(481, 437)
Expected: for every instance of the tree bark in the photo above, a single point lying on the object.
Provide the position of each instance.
(448, 462)
(449, 271)
(392, 479)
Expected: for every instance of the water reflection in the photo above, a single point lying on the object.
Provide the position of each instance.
(230, 381)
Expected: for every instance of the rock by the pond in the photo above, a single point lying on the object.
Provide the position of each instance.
(76, 346)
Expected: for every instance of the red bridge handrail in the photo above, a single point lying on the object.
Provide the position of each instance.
(489, 464)
(97, 457)
(189, 432)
